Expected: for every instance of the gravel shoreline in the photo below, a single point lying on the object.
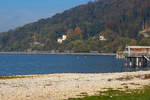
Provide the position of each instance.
(64, 86)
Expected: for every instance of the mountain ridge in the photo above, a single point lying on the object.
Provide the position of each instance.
(119, 20)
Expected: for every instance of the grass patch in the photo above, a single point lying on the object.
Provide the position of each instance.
(13, 77)
(110, 94)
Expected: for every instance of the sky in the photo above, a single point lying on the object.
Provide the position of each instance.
(16, 13)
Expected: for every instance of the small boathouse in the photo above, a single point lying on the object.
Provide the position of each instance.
(135, 56)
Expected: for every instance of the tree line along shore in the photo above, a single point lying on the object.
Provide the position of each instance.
(61, 53)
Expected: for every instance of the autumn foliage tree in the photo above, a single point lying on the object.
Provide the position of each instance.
(78, 31)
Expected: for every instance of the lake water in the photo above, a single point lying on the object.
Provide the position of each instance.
(27, 64)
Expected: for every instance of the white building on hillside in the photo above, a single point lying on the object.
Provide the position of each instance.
(59, 40)
(63, 38)
(102, 38)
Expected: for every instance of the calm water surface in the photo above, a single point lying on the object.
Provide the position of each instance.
(25, 64)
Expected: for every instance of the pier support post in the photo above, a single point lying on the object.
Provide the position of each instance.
(140, 62)
(130, 62)
(126, 62)
(145, 62)
(137, 62)
(133, 62)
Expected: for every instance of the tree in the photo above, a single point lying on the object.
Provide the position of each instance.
(69, 32)
(144, 42)
(78, 31)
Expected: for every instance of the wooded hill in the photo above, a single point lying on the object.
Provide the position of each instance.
(122, 23)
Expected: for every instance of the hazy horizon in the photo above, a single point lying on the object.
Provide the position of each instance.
(15, 13)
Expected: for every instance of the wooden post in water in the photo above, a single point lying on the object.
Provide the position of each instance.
(137, 62)
(145, 62)
(130, 62)
(134, 62)
(126, 61)
(140, 62)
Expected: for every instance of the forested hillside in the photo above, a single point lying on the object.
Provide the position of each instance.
(122, 23)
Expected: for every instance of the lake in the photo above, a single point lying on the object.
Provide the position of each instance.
(28, 64)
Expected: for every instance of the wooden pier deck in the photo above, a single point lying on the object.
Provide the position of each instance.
(135, 56)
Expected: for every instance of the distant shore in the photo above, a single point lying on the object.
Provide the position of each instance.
(64, 86)
(60, 53)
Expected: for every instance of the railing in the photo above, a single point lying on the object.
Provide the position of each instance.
(147, 58)
(137, 54)
(123, 54)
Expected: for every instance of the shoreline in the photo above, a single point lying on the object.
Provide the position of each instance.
(47, 53)
(70, 85)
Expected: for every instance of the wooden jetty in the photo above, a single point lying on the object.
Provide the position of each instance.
(135, 56)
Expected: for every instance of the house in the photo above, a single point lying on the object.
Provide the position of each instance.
(101, 37)
(63, 38)
(59, 40)
(38, 43)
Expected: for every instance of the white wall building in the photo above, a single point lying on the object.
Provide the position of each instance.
(63, 38)
(102, 38)
(59, 40)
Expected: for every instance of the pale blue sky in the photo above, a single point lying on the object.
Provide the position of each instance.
(14, 13)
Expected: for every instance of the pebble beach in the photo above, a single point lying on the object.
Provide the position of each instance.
(64, 86)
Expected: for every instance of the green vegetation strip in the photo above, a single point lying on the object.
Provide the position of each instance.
(120, 22)
(110, 94)
(14, 77)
